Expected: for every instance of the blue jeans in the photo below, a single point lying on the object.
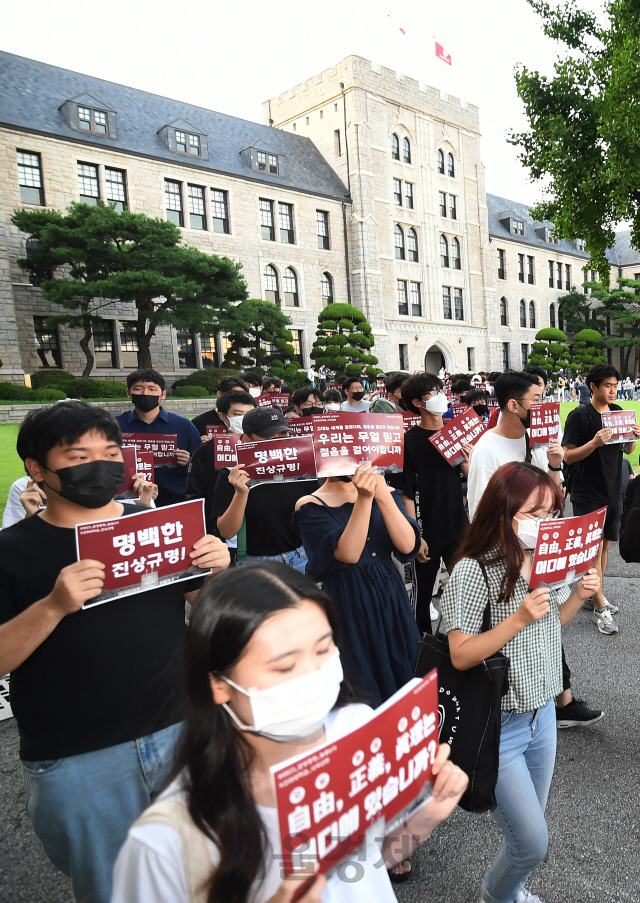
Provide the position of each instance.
(81, 807)
(296, 559)
(527, 760)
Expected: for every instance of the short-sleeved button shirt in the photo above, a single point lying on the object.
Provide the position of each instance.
(535, 652)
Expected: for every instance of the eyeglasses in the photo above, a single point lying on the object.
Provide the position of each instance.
(540, 517)
(433, 394)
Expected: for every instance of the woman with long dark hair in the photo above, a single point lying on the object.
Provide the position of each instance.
(494, 567)
(263, 683)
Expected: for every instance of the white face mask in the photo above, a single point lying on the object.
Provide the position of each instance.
(235, 424)
(296, 708)
(332, 407)
(255, 391)
(527, 532)
(436, 404)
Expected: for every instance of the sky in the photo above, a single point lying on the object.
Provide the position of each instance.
(231, 56)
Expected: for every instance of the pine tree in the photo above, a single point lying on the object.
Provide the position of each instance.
(344, 341)
(577, 312)
(258, 337)
(621, 307)
(585, 350)
(550, 350)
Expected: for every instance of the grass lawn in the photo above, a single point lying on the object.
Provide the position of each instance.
(567, 406)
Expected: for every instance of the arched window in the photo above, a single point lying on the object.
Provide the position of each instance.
(552, 315)
(399, 240)
(523, 314)
(455, 254)
(326, 287)
(395, 147)
(412, 245)
(532, 315)
(271, 289)
(406, 150)
(290, 281)
(504, 312)
(560, 318)
(444, 251)
(441, 162)
(451, 169)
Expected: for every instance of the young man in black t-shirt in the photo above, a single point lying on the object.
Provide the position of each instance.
(95, 693)
(596, 477)
(211, 418)
(432, 492)
(266, 510)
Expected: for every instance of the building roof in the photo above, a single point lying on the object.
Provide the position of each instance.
(502, 209)
(32, 94)
(623, 254)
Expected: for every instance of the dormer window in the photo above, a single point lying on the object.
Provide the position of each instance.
(93, 121)
(187, 143)
(267, 163)
(182, 137)
(517, 227)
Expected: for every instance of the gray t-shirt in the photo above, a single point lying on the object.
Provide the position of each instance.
(361, 408)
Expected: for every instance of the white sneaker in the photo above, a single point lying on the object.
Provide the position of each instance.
(525, 897)
(606, 624)
(433, 611)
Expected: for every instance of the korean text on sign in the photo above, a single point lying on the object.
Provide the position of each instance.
(143, 551)
(349, 793)
(343, 441)
(301, 426)
(225, 449)
(269, 399)
(410, 419)
(463, 430)
(278, 460)
(545, 423)
(214, 429)
(457, 409)
(620, 423)
(163, 445)
(566, 548)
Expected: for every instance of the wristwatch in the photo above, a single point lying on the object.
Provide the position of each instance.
(551, 467)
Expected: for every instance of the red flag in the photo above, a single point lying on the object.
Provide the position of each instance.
(442, 54)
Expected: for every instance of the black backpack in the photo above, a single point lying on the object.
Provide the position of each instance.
(630, 524)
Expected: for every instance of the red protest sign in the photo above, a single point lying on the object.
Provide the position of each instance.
(301, 426)
(163, 445)
(343, 441)
(278, 460)
(225, 449)
(566, 548)
(410, 419)
(465, 429)
(145, 465)
(143, 551)
(545, 423)
(214, 429)
(269, 399)
(620, 423)
(492, 402)
(342, 796)
(457, 409)
(129, 458)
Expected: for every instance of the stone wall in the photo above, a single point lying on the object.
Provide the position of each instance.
(188, 407)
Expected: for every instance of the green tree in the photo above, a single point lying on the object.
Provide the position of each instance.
(577, 311)
(344, 340)
(259, 336)
(550, 350)
(585, 350)
(584, 137)
(621, 307)
(102, 256)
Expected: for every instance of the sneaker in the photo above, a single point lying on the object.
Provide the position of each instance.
(588, 605)
(526, 897)
(433, 611)
(576, 713)
(606, 624)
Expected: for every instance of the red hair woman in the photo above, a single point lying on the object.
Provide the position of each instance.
(493, 566)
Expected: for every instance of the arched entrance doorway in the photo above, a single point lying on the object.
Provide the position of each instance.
(434, 360)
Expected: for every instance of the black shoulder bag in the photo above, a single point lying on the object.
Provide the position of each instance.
(469, 711)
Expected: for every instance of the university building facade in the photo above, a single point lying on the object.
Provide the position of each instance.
(360, 186)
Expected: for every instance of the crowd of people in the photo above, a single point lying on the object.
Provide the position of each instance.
(148, 725)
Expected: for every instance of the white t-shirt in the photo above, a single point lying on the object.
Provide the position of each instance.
(361, 408)
(14, 510)
(150, 865)
(489, 453)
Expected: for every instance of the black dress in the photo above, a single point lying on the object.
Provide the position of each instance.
(380, 638)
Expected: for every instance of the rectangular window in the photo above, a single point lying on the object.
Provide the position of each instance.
(416, 300)
(285, 215)
(322, 219)
(208, 352)
(608, 325)
(397, 192)
(30, 178)
(128, 345)
(524, 350)
(47, 344)
(266, 220)
(581, 243)
(452, 207)
(181, 142)
(505, 356)
(403, 356)
(559, 274)
(403, 300)
(194, 145)
(458, 304)
(92, 121)
(408, 195)
(446, 302)
(610, 356)
(298, 345)
(567, 277)
(195, 196)
(173, 202)
(88, 183)
(219, 210)
(336, 143)
(116, 188)
(551, 274)
(530, 271)
(290, 287)
(471, 359)
(104, 345)
(520, 267)
(517, 227)
(502, 264)
(443, 203)
(186, 350)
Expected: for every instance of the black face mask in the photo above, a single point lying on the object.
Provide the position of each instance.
(91, 485)
(480, 409)
(145, 403)
(311, 412)
(525, 421)
(346, 479)
(357, 396)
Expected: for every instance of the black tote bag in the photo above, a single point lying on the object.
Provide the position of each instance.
(469, 712)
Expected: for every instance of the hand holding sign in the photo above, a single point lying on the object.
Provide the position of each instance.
(76, 584)
(534, 606)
